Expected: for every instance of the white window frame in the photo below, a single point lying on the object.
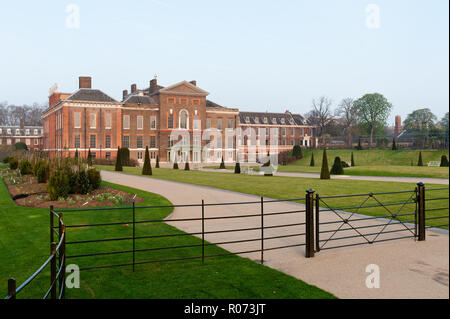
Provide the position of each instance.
(153, 122)
(93, 120)
(77, 119)
(187, 119)
(126, 122)
(108, 121)
(140, 122)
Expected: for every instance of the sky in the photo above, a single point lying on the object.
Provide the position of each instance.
(253, 55)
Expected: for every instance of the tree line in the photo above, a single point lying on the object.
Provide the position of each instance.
(10, 115)
(368, 116)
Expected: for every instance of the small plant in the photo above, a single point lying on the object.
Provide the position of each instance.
(25, 167)
(324, 172)
(13, 163)
(40, 198)
(70, 201)
(337, 168)
(6, 160)
(420, 162)
(61, 200)
(444, 161)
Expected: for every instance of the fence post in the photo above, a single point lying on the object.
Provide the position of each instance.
(203, 231)
(52, 236)
(53, 271)
(12, 288)
(60, 256)
(309, 223)
(262, 230)
(421, 213)
(317, 223)
(63, 271)
(134, 235)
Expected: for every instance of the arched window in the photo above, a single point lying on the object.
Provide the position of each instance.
(184, 119)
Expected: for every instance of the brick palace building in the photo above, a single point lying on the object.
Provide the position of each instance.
(174, 121)
(30, 135)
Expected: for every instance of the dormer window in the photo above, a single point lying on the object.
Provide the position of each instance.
(283, 121)
(274, 120)
(247, 119)
(8, 131)
(256, 120)
(265, 120)
(27, 132)
(17, 132)
(292, 121)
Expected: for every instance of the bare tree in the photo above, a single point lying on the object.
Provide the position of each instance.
(11, 114)
(347, 111)
(321, 115)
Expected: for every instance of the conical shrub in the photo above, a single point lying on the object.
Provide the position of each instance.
(186, 166)
(222, 164)
(420, 162)
(312, 163)
(118, 167)
(157, 161)
(394, 145)
(175, 164)
(324, 172)
(337, 168)
(89, 159)
(353, 160)
(147, 168)
(444, 161)
(237, 168)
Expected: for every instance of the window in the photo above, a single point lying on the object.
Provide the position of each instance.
(230, 142)
(93, 120)
(8, 131)
(153, 123)
(108, 155)
(125, 141)
(27, 141)
(170, 142)
(152, 155)
(247, 119)
(108, 141)
(140, 141)
(256, 119)
(230, 123)
(77, 141)
(126, 122)
(267, 131)
(171, 100)
(196, 140)
(184, 119)
(301, 132)
(208, 123)
(17, 132)
(306, 132)
(196, 122)
(139, 154)
(219, 124)
(284, 131)
(1, 131)
(292, 142)
(140, 122)
(219, 142)
(8, 141)
(92, 141)
(1, 141)
(265, 120)
(152, 141)
(292, 131)
(283, 121)
(170, 121)
(107, 121)
(275, 131)
(27, 132)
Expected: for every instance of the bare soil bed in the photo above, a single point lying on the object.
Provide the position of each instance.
(37, 196)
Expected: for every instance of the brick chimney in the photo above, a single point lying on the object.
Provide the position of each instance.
(125, 93)
(85, 82)
(397, 126)
(21, 123)
(153, 86)
(133, 88)
(193, 82)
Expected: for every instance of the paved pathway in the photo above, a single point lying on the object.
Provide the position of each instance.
(408, 269)
(426, 180)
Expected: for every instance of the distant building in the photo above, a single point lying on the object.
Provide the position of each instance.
(30, 135)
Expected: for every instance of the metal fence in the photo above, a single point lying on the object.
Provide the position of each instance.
(314, 233)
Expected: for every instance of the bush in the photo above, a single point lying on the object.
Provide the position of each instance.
(43, 171)
(25, 167)
(444, 161)
(118, 167)
(420, 162)
(312, 160)
(58, 184)
(297, 152)
(324, 172)
(20, 146)
(337, 167)
(94, 178)
(6, 159)
(82, 185)
(147, 168)
(186, 166)
(13, 163)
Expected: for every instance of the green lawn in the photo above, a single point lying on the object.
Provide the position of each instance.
(375, 163)
(24, 240)
(293, 187)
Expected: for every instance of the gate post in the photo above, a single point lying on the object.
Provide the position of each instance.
(421, 212)
(309, 223)
(12, 288)
(53, 271)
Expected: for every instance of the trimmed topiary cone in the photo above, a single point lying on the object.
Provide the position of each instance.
(312, 163)
(157, 161)
(394, 145)
(420, 162)
(324, 172)
(175, 164)
(353, 160)
(222, 164)
(444, 161)
(118, 167)
(89, 159)
(237, 168)
(147, 168)
(186, 166)
(337, 168)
